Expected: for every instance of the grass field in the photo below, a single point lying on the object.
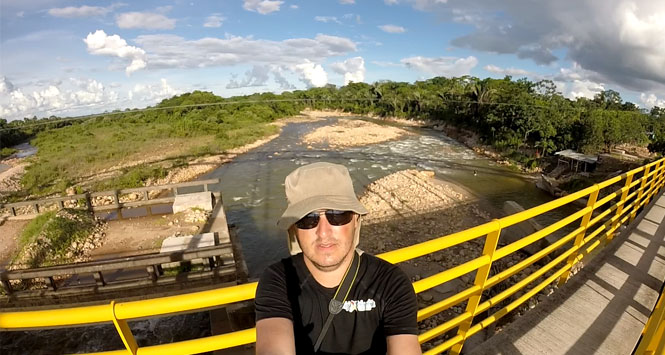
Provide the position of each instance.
(125, 150)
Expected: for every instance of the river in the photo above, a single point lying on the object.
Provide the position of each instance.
(252, 184)
(252, 188)
(24, 150)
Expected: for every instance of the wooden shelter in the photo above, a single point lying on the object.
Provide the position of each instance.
(573, 159)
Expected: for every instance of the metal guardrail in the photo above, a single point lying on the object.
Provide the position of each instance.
(639, 186)
(152, 263)
(86, 200)
(653, 335)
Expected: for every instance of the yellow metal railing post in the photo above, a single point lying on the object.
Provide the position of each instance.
(636, 206)
(622, 203)
(653, 182)
(652, 341)
(593, 197)
(125, 333)
(659, 178)
(491, 241)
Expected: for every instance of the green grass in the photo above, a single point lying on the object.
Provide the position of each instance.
(32, 230)
(5, 152)
(70, 155)
(132, 177)
(50, 236)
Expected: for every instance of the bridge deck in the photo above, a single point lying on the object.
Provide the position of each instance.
(601, 310)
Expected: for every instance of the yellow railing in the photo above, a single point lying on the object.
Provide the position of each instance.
(653, 336)
(607, 209)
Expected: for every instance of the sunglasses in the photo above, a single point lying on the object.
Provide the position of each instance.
(334, 217)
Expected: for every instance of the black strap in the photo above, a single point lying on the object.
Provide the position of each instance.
(336, 304)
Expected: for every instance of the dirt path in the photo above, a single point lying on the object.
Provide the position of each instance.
(9, 179)
(143, 235)
(10, 231)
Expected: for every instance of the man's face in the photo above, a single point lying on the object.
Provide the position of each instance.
(327, 246)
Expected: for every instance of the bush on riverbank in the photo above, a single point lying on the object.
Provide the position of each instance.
(55, 237)
(5, 152)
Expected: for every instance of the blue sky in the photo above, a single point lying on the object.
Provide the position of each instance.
(69, 58)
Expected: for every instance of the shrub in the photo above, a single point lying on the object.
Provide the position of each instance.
(5, 152)
(48, 239)
(132, 177)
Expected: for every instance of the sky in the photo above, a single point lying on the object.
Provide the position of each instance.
(69, 58)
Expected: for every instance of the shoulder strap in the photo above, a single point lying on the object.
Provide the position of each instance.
(336, 304)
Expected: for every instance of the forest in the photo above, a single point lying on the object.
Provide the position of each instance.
(522, 119)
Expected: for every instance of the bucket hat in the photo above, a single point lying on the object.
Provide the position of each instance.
(317, 186)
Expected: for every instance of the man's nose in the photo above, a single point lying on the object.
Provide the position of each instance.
(323, 229)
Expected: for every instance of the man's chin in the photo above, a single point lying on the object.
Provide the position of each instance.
(327, 264)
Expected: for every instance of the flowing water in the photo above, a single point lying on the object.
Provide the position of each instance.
(252, 184)
(24, 150)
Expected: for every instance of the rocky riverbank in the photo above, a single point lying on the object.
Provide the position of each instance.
(349, 133)
(10, 178)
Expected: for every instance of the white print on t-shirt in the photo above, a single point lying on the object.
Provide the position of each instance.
(360, 306)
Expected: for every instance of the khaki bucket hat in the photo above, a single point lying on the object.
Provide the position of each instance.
(317, 186)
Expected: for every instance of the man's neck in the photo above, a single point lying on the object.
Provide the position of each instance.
(333, 277)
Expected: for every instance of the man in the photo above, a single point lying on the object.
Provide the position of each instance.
(329, 297)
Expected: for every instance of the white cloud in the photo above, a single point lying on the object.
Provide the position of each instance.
(20, 14)
(386, 64)
(651, 100)
(258, 76)
(326, 19)
(294, 6)
(57, 97)
(5, 85)
(392, 29)
(584, 88)
(347, 2)
(170, 51)
(312, 74)
(283, 83)
(214, 21)
(263, 7)
(444, 66)
(152, 92)
(577, 82)
(390, 2)
(619, 41)
(507, 71)
(101, 44)
(83, 11)
(353, 69)
(145, 20)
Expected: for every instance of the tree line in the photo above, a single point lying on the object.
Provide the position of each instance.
(516, 116)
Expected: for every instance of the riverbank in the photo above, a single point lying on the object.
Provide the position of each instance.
(10, 179)
(181, 169)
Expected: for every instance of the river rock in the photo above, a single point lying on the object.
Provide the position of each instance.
(426, 296)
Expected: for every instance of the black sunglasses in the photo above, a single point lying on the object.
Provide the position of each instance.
(334, 217)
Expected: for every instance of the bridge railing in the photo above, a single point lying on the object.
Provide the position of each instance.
(103, 200)
(609, 205)
(219, 257)
(653, 335)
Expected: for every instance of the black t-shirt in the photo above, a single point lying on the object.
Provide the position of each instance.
(381, 303)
